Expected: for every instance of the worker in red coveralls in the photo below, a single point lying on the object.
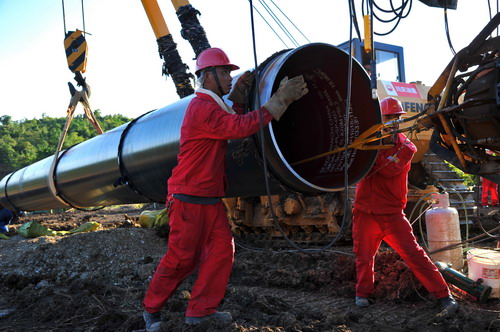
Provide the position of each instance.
(378, 215)
(489, 187)
(200, 235)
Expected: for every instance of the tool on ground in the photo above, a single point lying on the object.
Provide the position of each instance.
(474, 289)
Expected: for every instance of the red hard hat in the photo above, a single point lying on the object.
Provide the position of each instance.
(391, 105)
(213, 57)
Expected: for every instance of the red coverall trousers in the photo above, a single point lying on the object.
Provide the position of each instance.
(199, 237)
(491, 188)
(369, 230)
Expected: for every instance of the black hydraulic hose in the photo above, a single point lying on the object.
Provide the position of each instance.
(124, 178)
(266, 174)
(416, 116)
(472, 76)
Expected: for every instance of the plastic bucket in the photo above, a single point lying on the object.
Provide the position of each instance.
(485, 264)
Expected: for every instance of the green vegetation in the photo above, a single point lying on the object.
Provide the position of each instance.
(470, 180)
(25, 142)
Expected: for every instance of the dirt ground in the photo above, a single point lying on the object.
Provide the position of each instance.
(95, 282)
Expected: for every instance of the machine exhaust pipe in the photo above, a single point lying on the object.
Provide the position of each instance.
(131, 163)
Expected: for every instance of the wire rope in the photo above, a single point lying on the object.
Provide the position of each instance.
(83, 19)
(270, 26)
(279, 23)
(290, 21)
(355, 20)
(64, 18)
(265, 169)
(447, 30)
(490, 13)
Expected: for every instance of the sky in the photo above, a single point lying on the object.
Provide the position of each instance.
(124, 68)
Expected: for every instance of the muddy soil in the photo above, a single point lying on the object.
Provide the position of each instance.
(96, 281)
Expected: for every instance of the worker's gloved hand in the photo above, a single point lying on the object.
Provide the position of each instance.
(288, 92)
(241, 88)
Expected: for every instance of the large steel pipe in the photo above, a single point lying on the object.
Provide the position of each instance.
(131, 163)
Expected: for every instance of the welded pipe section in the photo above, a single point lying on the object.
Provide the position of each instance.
(131, 163)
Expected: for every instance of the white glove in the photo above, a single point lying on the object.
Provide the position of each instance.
(288, 92)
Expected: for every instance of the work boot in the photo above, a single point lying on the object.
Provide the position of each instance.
(153, 321)
(362, 302)
(449, 304)
(220, 315)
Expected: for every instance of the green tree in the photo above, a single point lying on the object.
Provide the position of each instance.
(470, 180)
(5, 119)
(25, 142)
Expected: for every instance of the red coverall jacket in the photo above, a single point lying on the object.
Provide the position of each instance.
(491, 188)
(203, 146)
(384, 188)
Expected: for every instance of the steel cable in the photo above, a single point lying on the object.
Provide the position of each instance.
(272, 29)
(279, 23)
(266, 175)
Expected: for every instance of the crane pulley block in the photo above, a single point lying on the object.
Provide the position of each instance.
(76, 50)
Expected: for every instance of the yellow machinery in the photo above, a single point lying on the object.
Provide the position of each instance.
(413, 97)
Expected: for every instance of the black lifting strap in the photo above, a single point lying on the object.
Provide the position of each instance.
(58, 192)
(7, 195)
(124, 179)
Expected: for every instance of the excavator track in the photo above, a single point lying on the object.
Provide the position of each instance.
(303, 219)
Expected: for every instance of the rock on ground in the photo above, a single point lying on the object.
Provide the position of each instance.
(96, 281)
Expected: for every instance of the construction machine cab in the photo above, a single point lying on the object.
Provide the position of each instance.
(389, 59)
